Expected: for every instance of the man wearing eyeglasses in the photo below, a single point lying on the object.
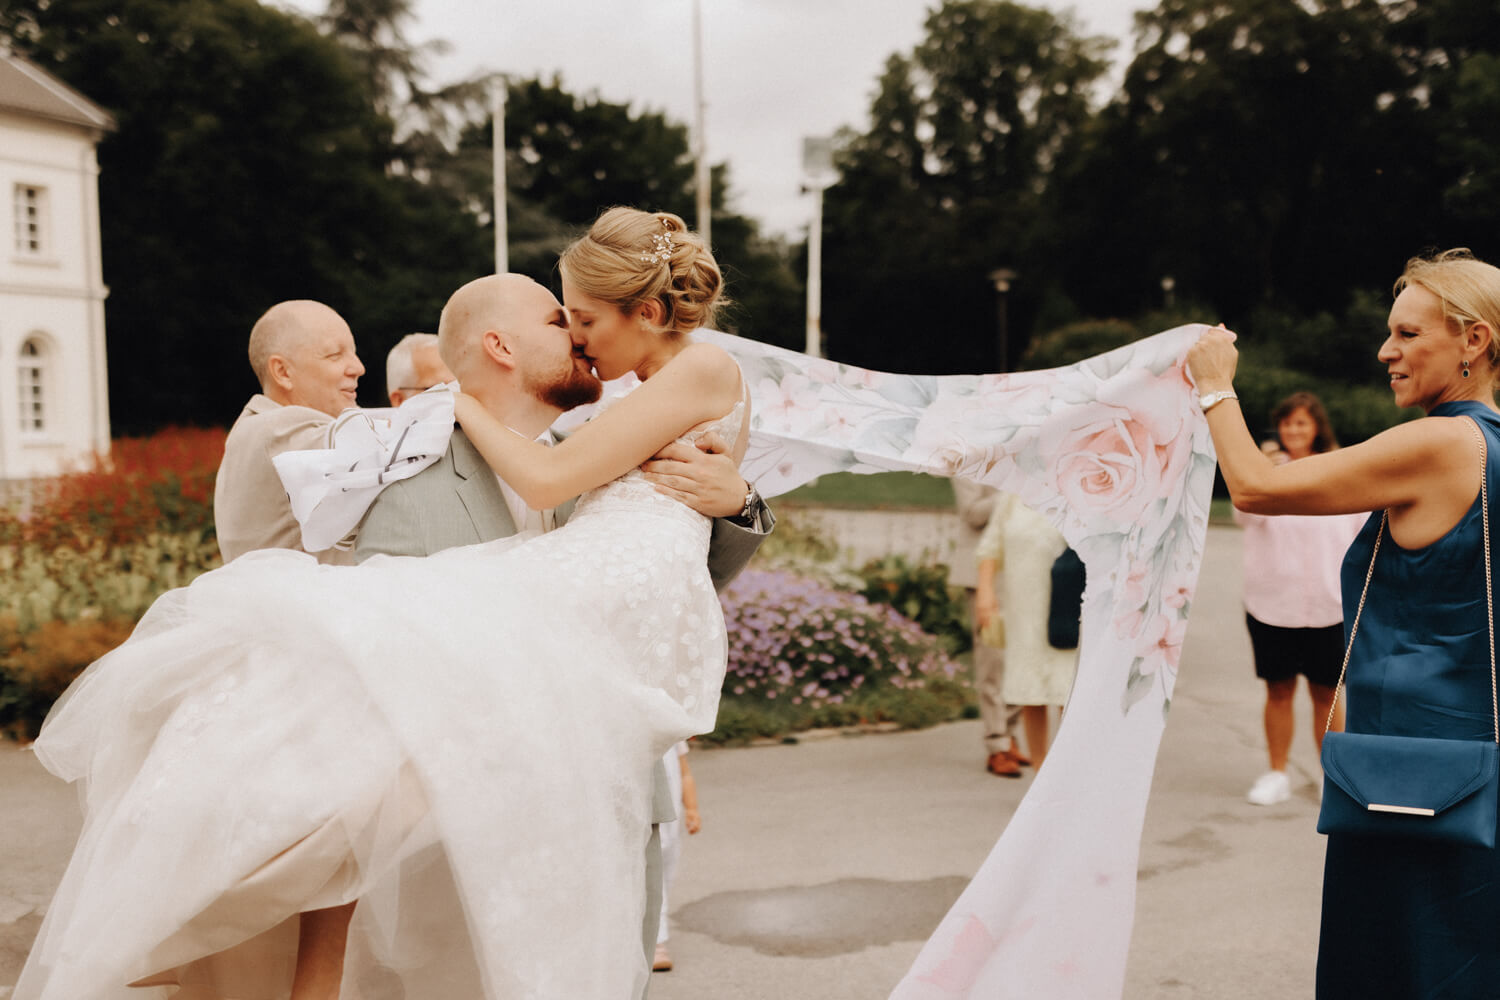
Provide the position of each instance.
(414, 366)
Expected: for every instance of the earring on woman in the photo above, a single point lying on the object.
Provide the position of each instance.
(1466, 369)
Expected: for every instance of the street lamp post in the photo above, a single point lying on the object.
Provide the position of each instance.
(497, 154)
(817, 175)
(703, 177)
(1001, 278)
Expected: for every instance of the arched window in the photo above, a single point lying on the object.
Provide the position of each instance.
(33, 386)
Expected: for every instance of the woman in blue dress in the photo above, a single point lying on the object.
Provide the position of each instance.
(1403, 918)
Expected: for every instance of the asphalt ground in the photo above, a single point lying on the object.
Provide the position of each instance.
(823, 866)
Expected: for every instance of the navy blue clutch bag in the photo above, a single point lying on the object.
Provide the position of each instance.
(1408, 786)
(1415, 787)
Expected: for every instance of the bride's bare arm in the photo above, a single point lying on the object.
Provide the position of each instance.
(700, 384)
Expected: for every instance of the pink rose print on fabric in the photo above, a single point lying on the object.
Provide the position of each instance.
(971, 949)
(1160, 643)
(1112, 461)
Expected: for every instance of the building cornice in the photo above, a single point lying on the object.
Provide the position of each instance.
(27, 89)
(56, 291)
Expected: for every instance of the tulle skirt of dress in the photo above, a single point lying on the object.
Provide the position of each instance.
(462, 743)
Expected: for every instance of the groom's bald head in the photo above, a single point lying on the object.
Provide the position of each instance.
(485, 304)
(504, 335)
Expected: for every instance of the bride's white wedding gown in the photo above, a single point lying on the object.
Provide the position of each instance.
(464, 743)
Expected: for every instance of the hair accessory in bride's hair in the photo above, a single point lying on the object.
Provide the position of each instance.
(661, 248)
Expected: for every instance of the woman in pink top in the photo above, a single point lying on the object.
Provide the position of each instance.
(1292, 605)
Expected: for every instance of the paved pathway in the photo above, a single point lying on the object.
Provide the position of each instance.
(860, 843)
(823, 866)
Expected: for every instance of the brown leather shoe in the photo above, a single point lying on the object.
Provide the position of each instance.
(1003, 764)
(1016, 756)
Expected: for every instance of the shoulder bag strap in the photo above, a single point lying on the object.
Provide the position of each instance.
(1489, 598)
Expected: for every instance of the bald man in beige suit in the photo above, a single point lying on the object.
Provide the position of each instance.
(302, 352)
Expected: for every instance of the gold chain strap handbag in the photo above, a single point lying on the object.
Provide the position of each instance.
(1415, 787)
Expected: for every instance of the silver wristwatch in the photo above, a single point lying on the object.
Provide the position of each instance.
(752, 501)
(1211, 399)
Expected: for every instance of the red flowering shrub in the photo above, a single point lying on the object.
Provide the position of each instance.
(86, 553)
(163, 483)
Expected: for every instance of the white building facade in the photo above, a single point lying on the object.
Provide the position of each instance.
(54, 397)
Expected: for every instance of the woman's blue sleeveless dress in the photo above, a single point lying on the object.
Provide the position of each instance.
(1406, 919)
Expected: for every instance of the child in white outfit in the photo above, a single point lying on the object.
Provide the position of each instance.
(684, 790)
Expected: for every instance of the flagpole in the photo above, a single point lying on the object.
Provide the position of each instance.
(502, 222)
(704, 179)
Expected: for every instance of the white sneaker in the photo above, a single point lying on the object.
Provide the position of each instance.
(1270, 788)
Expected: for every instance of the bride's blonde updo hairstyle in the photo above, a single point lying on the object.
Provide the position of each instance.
(629, 257)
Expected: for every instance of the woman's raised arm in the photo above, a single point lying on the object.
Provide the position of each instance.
(1424, 472)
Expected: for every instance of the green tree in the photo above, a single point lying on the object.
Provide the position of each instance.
(569, 157)
(248, 167)
(1451, 49)
(393, 70)
(947, 184)
(1261, 152)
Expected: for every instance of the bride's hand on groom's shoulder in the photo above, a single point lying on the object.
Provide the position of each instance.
(704, 476)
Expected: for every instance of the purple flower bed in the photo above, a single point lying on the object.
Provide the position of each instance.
(799, 641)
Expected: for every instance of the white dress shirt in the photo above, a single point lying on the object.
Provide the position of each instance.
(527, 519)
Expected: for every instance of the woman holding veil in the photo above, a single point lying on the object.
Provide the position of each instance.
(475, 781)
(1404, 916)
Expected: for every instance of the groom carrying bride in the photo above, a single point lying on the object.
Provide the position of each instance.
(506, 340)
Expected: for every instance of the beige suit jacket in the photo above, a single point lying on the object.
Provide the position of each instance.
(251, 509)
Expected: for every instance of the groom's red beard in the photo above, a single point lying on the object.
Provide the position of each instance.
(574, 387)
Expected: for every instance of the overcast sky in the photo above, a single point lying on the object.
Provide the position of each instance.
(774, 70)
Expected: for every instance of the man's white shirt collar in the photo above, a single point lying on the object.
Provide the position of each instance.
(523, 515)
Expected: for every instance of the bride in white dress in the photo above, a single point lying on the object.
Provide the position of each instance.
(460, 746)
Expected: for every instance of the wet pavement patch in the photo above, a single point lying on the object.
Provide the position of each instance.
(819, 921)
(16, 937)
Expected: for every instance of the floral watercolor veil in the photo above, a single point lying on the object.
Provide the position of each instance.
(1115, 452)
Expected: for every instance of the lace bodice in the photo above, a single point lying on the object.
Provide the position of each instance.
(634, 491)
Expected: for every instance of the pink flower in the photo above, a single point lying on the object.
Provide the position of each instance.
(957, 434)
(1134, 594)
(786, 405)
(1111, 462)
(971, 949)
(1130, 625)
(1176, 598)
(822, 371)
(1160, 644)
